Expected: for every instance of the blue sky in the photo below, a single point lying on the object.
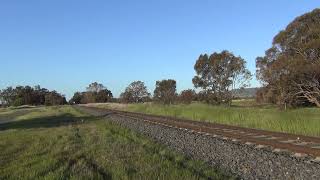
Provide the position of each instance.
(66, 44)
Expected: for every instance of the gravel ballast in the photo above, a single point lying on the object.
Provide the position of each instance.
(242, 160)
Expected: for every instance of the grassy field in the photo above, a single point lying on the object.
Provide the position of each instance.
(62, 143)
(245, 113)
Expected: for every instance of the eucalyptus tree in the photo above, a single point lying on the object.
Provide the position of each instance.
(218, 74)
(290, 69)
(136, 92)
(165, 91)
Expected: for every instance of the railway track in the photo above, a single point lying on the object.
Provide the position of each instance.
(297, 145)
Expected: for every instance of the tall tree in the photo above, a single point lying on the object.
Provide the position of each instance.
(290, 69)
(95, 87)
(219, 73)
(136, 92)
(165, 91)
(96, 93)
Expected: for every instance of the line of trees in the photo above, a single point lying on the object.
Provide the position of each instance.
(217, 75)
(165, 93)
(26, 95)
(136, 92)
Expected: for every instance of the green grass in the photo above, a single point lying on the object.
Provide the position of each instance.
(245, 113)
(62, 143)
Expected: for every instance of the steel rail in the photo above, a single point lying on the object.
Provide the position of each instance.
(298, 145)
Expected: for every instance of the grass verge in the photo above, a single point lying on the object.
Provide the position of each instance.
(62, 143)
(303, 121)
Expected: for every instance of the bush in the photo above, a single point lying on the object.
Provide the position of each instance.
(187, 96)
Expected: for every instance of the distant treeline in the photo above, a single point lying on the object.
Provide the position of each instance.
(136, 92)
(26, 95)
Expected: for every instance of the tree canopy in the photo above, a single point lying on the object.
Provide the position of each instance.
(95, 87)
(219, 73)
(96, 93)
(136, 92)
(290, 69)
(165, 91)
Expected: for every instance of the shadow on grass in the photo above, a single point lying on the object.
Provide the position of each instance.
(44, 122)
(16, 114)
